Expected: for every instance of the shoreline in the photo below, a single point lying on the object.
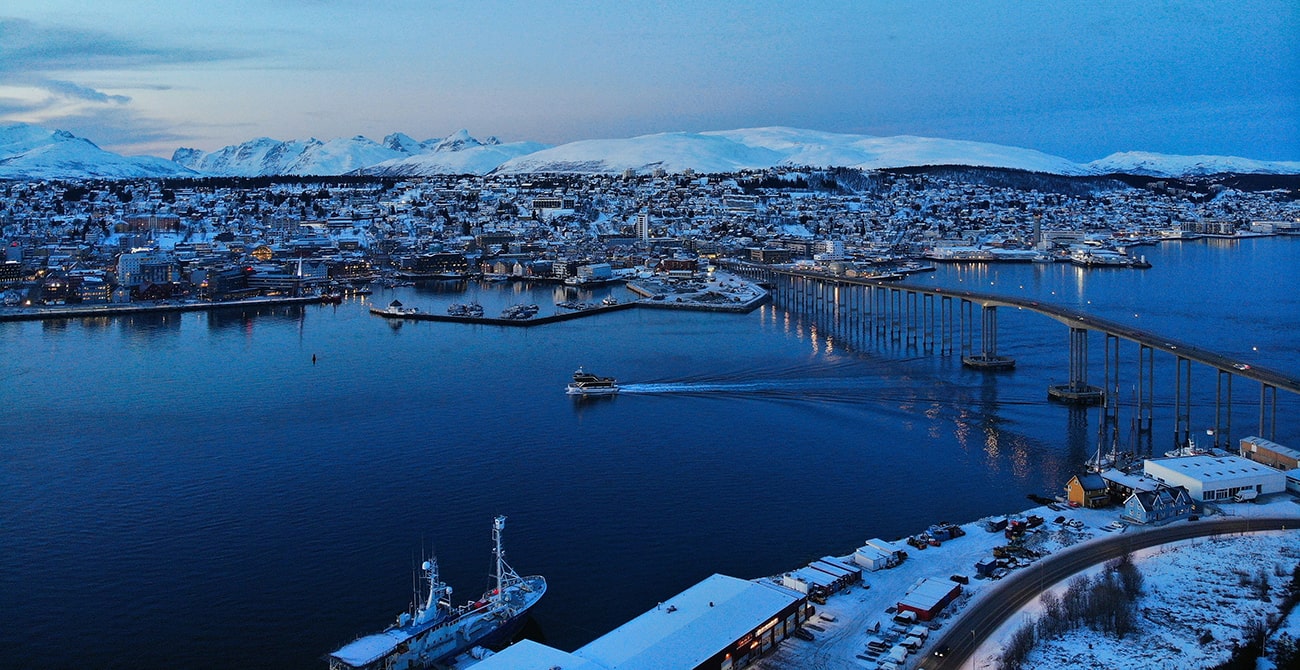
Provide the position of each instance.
(57, 313)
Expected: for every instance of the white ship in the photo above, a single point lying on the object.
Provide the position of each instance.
(585, 383)
(436, 631)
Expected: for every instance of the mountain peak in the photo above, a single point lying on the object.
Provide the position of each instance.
(457, 141)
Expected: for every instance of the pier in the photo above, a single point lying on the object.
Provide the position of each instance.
(942, 322)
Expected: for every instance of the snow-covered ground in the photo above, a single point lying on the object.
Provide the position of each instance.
(1194, 606)
(1182, 585)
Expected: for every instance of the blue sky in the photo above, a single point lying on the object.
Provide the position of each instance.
(1080, 80)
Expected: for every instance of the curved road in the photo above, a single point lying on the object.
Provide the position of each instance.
(965, 633)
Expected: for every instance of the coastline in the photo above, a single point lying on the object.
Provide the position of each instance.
(82, 312)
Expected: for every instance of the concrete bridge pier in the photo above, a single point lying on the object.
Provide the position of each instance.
(1268, 401)
(1077, 391)
(1145, 393)
(1182, 401)
(947, 324)
(1223, 410)
(988, 358)
(1111, 400)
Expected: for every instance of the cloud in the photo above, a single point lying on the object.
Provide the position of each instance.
(79, 92)
(27, 49)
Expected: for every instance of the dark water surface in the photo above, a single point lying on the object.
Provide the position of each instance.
(192, 491)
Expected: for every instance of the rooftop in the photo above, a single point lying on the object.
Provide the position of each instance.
(690, 627)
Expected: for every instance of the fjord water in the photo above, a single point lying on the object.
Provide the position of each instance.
(191, 490)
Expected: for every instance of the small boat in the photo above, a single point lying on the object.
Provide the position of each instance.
(585, 383)
(609, 301)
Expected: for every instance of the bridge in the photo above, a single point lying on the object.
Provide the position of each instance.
(942, 321)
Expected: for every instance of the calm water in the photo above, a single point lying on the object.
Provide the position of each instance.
(192, 491)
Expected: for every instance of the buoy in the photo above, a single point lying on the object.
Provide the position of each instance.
(313, 359)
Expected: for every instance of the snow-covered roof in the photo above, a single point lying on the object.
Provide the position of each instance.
(529, 655)
(1209, 468)
(1131, 482)
(692, 626)
(928, 592)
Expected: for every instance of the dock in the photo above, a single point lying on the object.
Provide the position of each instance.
(496, 321)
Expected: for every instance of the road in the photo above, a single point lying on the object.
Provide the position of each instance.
(969, 629)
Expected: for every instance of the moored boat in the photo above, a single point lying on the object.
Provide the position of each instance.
(436, 631)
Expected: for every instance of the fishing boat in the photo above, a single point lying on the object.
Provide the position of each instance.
(434, 631)
(585, 383)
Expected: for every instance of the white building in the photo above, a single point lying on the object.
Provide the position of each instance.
(1211, 478)
(643, 227)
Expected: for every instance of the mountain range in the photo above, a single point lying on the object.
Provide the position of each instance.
(32, 152)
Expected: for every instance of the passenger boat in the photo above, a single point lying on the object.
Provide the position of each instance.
(436, 631)
(585, 383)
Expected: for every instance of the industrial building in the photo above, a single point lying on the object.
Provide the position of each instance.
(721, 623)
(1216, 478)
(1269, 453)
(928, 596)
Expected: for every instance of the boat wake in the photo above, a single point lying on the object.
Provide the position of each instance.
(757, 386)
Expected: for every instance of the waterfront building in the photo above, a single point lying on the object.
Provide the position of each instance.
(721, 623)
(1269, 453)
(1216, 478)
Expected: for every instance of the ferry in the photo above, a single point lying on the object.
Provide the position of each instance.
(435, 631)
(585, 383)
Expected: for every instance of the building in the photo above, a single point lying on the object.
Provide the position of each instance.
(928, 596)
(11, 273)
(528, 655)
(1216, 478)
(1087, 490)
(643, 227)
(768, 255)
(828, 250)
(1269, 453)
(434, 265)
(721, 623)
(1160, 506)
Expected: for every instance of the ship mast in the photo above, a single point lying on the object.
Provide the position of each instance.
(498, 525)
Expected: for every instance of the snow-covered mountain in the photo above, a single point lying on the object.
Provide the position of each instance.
(265, 156)
(477, 158)
(758, 148)
(1166, 165)
(32, 152)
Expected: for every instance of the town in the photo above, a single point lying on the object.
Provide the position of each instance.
(105, 243)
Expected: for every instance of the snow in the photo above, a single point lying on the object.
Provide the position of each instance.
(32, 152)
(476, 159)
(1193, 606)
(1166, 165)
(861, 609)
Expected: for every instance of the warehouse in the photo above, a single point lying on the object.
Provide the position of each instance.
(1216, 478)
(1269, 453)
(928, 597)
(720, 623)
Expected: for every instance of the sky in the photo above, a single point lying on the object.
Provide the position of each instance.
(1077, 79)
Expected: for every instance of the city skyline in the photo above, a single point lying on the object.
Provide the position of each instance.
(1079, 81)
